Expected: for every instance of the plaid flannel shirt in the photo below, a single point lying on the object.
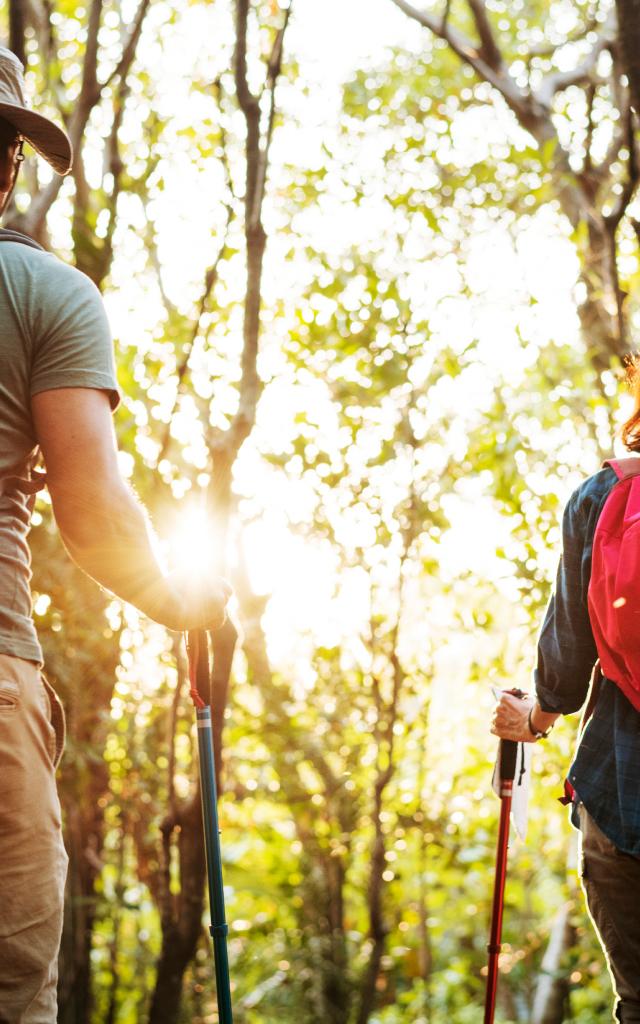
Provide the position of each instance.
(606, 769)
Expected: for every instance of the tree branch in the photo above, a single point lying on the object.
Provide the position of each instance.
(249, 103)
(588, 141)
(274, 67)
(445, 15)
(224, 146)
(41, 12)
(33, 221)
(256, 171)
(489, 48)
(91, 91)
(123, 66)
(557, 81)
(549, 49)
(633, 175)
(90, 88)
(520, 101)
(210, 280)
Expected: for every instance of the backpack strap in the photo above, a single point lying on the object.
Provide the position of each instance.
(24, 478)
(8, 235)
(624, 469)
(28, 485)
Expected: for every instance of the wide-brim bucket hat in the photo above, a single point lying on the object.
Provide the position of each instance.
(50, 141)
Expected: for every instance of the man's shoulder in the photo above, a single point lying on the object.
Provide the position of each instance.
(43, 264)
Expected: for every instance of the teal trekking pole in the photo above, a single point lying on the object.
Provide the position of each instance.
(199, 676)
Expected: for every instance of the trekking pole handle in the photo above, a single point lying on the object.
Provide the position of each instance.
(509, 749)
(198, 651)
(508, 760)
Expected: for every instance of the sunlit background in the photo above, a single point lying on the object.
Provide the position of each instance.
(394, 521)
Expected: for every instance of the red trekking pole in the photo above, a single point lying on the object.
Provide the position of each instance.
(508, 757)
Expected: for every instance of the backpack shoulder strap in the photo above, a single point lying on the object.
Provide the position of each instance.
(28, 485)
(7, 235)
(624, 469)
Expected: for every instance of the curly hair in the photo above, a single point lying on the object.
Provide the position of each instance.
(631, 429)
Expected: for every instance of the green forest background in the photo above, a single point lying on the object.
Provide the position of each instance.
(372, 270)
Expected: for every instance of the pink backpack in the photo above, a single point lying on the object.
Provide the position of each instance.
(614, 588)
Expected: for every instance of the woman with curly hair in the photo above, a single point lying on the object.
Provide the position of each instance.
(588, 632)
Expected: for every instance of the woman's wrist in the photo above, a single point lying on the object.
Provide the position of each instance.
(541, 722)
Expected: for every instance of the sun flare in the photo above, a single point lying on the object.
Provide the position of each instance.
(192, 544)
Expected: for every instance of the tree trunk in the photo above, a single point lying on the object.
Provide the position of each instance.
(84, 839)
(114, 967)
(182, 929)
(552, 989)
(17, 27)
(629, 39)
(335, 988)
(601, 317)
(378, 930)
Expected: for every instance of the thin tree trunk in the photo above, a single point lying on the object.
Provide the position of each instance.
(629, 40)
(180, 934)
(323, 911)
(119, 888)
(551, 996)
(377, 927)
(84, 838)
(17, 28)
(552, 990)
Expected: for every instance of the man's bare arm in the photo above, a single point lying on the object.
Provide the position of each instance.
(102, 525)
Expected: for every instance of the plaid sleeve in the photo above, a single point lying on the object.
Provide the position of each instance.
(566, 648)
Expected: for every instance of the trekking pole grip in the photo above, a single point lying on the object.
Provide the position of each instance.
(202, 664)
(198, 653)
(508, 759)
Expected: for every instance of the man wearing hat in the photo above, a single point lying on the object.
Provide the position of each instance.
(57, 392)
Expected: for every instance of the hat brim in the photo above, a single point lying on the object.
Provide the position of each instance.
(47, 139)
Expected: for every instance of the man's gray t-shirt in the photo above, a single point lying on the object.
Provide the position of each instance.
(54, 333)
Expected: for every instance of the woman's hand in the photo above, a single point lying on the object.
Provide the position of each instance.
(511, 719)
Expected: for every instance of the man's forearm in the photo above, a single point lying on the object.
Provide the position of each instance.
(103, 526)
(107, 533)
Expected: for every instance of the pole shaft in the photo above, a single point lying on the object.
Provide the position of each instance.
(495, 937)
(214, 864)
(212, 835)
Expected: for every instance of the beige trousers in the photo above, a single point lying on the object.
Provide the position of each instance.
(33, 861)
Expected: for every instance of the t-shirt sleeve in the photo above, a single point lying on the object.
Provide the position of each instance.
(72, 345)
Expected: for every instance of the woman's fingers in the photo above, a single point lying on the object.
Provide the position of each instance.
(510, 720)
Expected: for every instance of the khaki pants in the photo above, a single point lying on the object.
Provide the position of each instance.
(611, 881)
(33, 861)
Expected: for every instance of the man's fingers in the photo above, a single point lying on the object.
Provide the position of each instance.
(199, 603)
